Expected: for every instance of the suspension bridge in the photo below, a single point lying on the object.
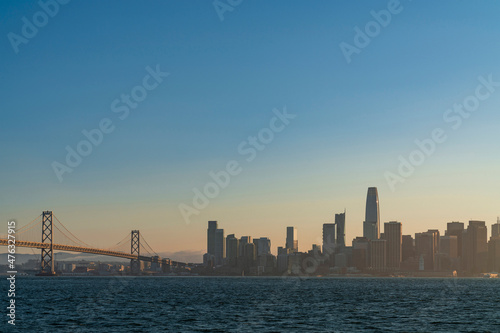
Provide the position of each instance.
(55, 236)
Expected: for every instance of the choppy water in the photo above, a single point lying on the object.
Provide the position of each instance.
(206, 304)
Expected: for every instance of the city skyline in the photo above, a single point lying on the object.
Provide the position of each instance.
(353, 121)
(313, 228)
(235, 165)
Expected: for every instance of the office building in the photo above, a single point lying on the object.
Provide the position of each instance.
(495, 229)
(340, 223)
(212, 226)
(448, 245)
(360, 252)
(456, 229)
(378, 254)
(292, 242)
(407, 247)
(232, 250)
(243, 241)
(371, 225)
(329, 238)
(393, 235)
(262, 245)
(494, 254)
(425, 249)
(220, 247)
(475, 250)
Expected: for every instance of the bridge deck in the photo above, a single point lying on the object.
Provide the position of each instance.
(39, 245)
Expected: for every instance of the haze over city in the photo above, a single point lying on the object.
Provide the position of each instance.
(353, 120)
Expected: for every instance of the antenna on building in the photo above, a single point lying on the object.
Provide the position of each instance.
(498, 219)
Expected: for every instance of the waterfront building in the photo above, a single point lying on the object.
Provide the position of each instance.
(329, 238)
(456, 229)
(475, 249)
(220, 247)
(292, 242)
(378, 254)
(340, 223)
(212, 226)
(232, 250)
(393, 235)
(371, 225)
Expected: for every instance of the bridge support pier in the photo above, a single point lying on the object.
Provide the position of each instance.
(135, 264)
(47, 262)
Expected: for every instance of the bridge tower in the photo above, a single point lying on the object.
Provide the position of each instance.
(135, 264)
(47, 262)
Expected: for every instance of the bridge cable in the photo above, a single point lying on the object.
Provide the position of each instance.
(82, 242)
(145, 241)
(21, 229)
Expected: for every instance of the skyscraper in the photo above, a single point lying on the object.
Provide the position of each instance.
(340, 222)
(243, 241)
(495, 228)
(456, 229)
(425, 250)
(329, 238)
(371, 225)
(378, 254)
(212, 226)
(407, 247)
(262, 246)
(292, 242)
(393, 235)
(360, 252)
(232, 249)
(220, 247)
(476, 247)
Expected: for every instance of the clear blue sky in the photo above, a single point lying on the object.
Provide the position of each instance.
(353, 120)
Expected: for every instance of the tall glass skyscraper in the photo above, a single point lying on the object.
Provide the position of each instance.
(371, 226)
(292, 242)
(340, 222)
(212, 226)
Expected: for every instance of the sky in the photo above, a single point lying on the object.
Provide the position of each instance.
(352, 116)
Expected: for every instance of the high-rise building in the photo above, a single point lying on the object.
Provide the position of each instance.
(447, 258)
(371, 225)
(262, 245)
(329, 238)
(292, 242)
(448, 245)
(495, 228)
(378, 254)
(232, 249)
(456, 229)
(494, 254)
(340, 222)
(407, 247)
(360, 252)
(212, 226)
(282, 259)
(250, 254)
(243, 241)
(436, 236)
(220, 247)
(425, 249)
(393, 235)
(476, 247)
